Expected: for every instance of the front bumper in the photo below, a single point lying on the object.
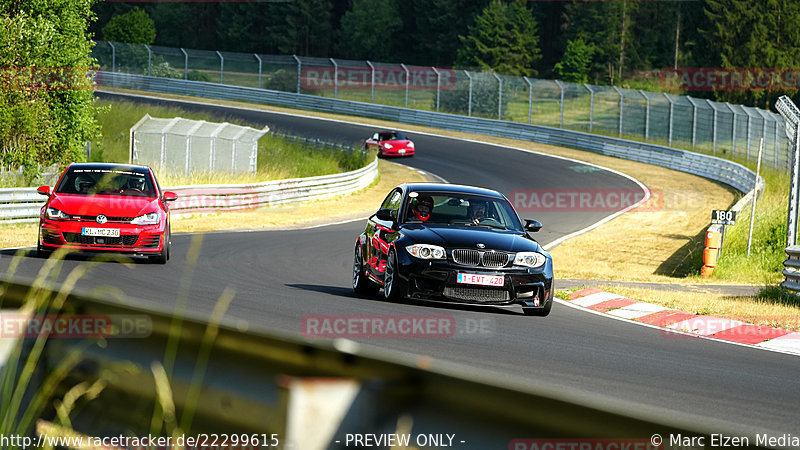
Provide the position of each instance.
(397, 151)
(144, 239)
(437, 280)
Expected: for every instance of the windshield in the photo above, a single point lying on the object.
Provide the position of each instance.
(393, 136)
(92, 181)
(458, 209)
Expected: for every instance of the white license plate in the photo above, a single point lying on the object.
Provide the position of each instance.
(106, 232)
(483, 280)
(401, 151)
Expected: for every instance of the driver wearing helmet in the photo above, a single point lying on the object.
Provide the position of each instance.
(136, 183)
(83, 183)
(421, 207)
(476, 211)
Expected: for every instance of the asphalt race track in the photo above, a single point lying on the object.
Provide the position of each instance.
(281, 276)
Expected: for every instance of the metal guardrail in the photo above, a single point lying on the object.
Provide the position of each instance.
(718, 169)
(24, 204)
(255, 381)
(792, 269)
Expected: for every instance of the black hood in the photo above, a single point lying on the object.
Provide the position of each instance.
(469, 237)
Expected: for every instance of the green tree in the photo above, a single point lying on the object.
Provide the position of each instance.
(133, 27)
(503, 39)
(437, 26)
(577, 60)
(366, 30)
(47, 111)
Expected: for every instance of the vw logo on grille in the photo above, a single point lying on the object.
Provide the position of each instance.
(101, 219)
(481, 245)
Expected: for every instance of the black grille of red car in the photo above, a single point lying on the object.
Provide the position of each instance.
(50, 237)
(469, 257)
(474, 294)
(94, 219)
(149, 241)
(127, 240)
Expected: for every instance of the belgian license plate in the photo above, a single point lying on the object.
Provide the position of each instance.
(105, 232)
(483, 280)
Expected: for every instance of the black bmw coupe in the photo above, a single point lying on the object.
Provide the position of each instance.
(455, 244)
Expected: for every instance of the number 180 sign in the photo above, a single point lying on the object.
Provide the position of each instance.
(720, 217)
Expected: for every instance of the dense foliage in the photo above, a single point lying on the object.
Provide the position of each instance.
(611, 42)
(47, 112)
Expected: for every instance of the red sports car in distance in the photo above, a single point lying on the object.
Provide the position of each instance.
(100, 207)
(390, 143)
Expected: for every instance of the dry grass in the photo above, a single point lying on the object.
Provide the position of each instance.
(661, 245)
(359, 204)
(759, 310)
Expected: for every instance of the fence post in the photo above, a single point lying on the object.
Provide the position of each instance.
(561, 108)
(221, 68)
(621, 106)
(185, 64)
(671, 117)
(408, 79)
(469, 98)
(213, 149)
(713, 125)
(530, 98)
(132, 153)
(733, 128)
(777, 141)
(299, 68)
(259, 69)
(437, 87)
(113, 57)
(372, 82)
(189, 135)
(591, 105)
(694, 120)
(749, 127)
(499, 96)
(335, 78)
(646, 115)
(149, 59)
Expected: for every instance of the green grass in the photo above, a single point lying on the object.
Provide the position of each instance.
(278, 158)
(769, 237)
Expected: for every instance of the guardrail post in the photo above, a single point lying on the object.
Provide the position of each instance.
(259, 69)
(713, 126)
(499, 96)
(149, 59)
(591, 105)
(408, 80)
(469, 97)
(372, 82)
(646, 115)
(299, 68)
(694, 121)
(335, 78)
(437, 87)
(185, 64)
(671, 117)
(530, 98)
(733, 128)
(113, 57)
(621, 106)
(561, 113)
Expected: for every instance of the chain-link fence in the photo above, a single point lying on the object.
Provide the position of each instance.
(183, 145)
(721, 129)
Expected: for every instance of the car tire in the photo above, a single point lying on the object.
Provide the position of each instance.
(541, 312)
(43, 252)
(163, 257)
(361, 285)
(395, 288)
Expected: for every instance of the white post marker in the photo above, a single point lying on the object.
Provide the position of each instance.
(755, 196)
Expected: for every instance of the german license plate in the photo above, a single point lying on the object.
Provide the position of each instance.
(105, 232)
(401, 151)
(483, 280)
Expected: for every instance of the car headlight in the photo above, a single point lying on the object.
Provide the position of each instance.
(529, 259)
(147, 219)
(387, 146)
(410, 145)
(426, 251)
(56, 214)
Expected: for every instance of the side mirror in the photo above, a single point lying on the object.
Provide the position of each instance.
(44, 190)
(387, 215)
(375, 137)
(170, 196)
(532, 225)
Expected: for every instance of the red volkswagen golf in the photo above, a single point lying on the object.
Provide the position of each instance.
(106, 207)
